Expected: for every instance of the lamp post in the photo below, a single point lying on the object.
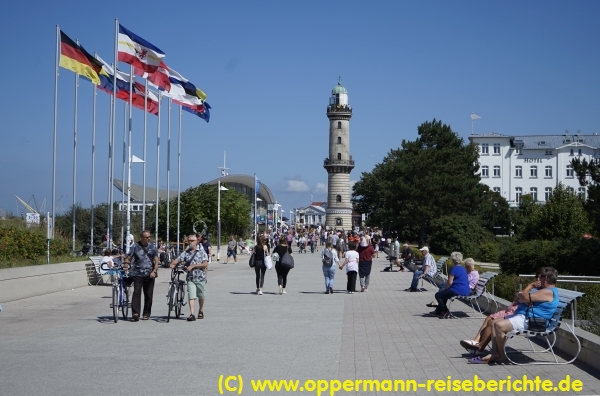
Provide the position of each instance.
(255, 212)
(134, 159)
(221, 188)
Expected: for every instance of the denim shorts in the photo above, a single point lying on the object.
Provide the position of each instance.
(231, 253)
(196, 290)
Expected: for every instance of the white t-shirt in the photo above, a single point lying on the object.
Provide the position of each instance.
(352, 256)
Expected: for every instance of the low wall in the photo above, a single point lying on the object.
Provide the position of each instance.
(565, 342)
(37, 280)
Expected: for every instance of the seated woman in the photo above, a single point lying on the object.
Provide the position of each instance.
(543, 301)
(106, 263)
(457, 285)
(483, 337)
(472, 274)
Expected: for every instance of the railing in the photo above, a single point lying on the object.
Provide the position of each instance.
(339, 109)
(574, 279)
(338, 162)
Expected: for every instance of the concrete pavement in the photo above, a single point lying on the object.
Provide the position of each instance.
(67, 344)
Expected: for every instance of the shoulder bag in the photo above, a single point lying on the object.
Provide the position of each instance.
(287, 260)
(537, 324)
(252, 260)
(268, 261)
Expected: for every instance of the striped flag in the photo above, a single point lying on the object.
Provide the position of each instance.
(138, 52)
(75, 58)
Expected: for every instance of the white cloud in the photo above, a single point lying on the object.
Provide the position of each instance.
(320, 188)
(295, 186)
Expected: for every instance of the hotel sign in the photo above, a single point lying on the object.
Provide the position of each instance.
(532, 160)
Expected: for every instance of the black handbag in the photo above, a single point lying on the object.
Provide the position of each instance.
(287, 260)
(252, 261)
(536, 324)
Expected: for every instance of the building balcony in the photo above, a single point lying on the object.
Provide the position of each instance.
(333, 162)
(337, 108)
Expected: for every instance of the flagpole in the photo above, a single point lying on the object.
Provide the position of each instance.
(179, 179)
(157, 170)
(113, 126)
(128, 235)
(111, 174)
(255, 209)
(56, 55)
(144, 168)
(75, 155)
(123, 167)
(93, 169)
(168, 167)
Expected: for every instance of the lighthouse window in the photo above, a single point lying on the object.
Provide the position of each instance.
(339, 140)
(338, 198)
(339, 124)
(339, 156)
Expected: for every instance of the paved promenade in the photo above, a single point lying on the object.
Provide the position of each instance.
(67, 344)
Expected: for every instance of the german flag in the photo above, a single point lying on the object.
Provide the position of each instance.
(75, 58)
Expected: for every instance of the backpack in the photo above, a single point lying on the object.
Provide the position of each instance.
(327, 258)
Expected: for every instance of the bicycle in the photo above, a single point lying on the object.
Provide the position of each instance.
(120, 293)
(176, 292)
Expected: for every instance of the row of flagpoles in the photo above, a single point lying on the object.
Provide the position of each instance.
(146, 61)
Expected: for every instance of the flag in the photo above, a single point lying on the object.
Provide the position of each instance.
(205, 115)
(75, 58)
(139, 91)
(474, 116)
(256, 185)
(138, 52)
(160, 78)
(183, 92)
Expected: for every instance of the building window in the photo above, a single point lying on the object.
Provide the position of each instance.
(485, 148)
(518, 149)
(496, 148)
(518, 193)
(548, 193)
(338, 221)
(571, 151)
(581, 192)
(548, 152)
(569, 171)
(497, 189)
(485, 171)
(496, 171)
(579, 151)
(533, 171)
(533, 192)
(339, 124)
(339, 156)
(548, 171)
(339, 140)
(338, 198)
(518, 171)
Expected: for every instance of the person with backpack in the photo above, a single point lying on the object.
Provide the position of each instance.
(365, 262)
(330, 260)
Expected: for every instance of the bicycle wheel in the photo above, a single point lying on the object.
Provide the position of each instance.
(178, 301)
(170, 300)
(115, 303)
(125, 302)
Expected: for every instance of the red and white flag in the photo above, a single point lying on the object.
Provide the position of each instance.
(138, 52)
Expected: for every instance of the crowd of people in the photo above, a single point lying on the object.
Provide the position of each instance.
(353, 252)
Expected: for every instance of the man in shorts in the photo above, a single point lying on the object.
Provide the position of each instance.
(195, 262)
(231, 250)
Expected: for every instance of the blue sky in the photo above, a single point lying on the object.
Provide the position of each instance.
(268, 68)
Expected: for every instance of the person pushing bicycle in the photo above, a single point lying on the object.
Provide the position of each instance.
(195, 262)
(143, 257)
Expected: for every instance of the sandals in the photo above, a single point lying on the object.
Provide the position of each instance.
(145, 317)
(200, 315)
(191, 318)
(477, 360)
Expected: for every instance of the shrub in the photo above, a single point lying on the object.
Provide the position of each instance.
(489, 252)
(458, 233)
(527, 257)
(18, 242)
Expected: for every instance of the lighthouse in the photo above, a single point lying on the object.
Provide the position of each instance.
(339, 164)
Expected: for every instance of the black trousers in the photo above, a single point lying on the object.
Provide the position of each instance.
(142, 283)
(351, 281)
(282, 273)
(259, 269)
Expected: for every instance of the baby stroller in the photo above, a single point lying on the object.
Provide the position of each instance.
(302, 246)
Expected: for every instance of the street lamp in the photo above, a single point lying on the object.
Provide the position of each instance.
(221, 188)
(135, 160)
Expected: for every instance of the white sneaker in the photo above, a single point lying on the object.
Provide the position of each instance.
(284, 292)
(280, 290)
(260, 292)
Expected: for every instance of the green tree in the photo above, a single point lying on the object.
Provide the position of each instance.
(200, 204)
(458, 233)
(433, 176)
(588, 174)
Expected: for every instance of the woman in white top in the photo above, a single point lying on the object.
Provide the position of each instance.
(351, 264)
(106, 263)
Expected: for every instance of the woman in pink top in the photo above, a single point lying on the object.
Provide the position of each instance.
(472, 274)
(351, 264)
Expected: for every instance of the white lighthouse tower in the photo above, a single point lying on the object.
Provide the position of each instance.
(340, 163)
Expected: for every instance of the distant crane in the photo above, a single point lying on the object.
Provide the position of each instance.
(29, 208)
